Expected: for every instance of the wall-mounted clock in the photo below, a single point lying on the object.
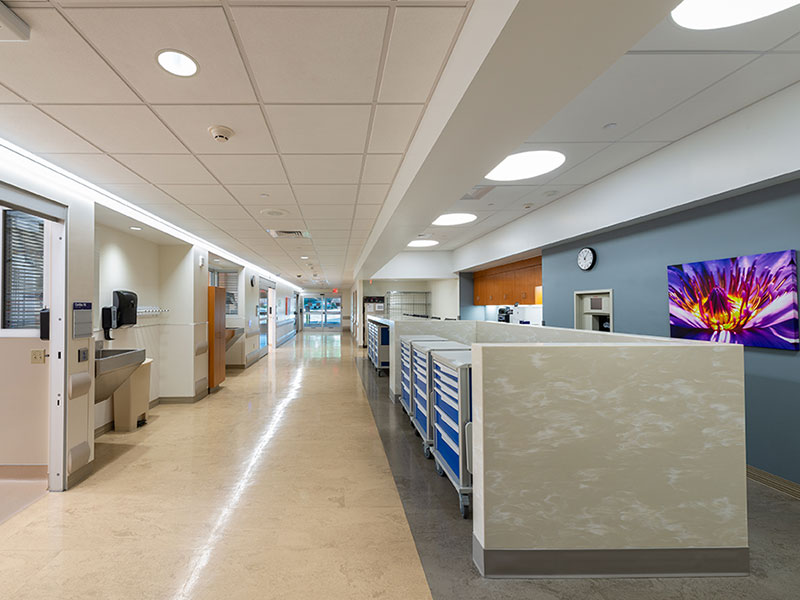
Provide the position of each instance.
(586, 258)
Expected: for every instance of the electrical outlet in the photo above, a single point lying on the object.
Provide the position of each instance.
(37, 357)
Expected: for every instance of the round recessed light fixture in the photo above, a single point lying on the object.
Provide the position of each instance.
(274, 212)
(422, 243)
(454, 219)
(134, 228)
(525, 165)
(718, 14)
(177, 63)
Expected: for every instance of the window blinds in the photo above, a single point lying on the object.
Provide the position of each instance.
(23, 269)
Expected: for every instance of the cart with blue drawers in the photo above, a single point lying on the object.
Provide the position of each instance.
(452, 420)
(422, 387)
(405, 365)
(378, 344)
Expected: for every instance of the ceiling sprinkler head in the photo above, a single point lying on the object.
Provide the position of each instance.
(220, 133)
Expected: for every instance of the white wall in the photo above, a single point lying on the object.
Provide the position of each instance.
(444, 298)
(418, 265)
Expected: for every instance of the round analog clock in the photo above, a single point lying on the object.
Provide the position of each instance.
(586, 258)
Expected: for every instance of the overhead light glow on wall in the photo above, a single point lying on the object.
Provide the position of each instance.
(177, 63)
(454, 219)
(525, 165)
(717, 14)
(133, 228)
(422, 243)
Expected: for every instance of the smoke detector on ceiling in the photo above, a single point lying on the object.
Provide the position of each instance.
(274, 212)
(220, 133)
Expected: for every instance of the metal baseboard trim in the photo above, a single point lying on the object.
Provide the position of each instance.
(183, 399)
(286, 338)
(103, 429)
(623, 563)
(773, 481)
(255, 356)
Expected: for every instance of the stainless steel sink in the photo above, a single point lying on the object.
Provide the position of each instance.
(112, 367)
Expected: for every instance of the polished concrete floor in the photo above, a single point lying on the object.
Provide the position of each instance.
(18, 494)
(275, 487)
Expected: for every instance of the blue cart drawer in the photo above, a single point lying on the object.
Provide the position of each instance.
(447, 424)
(446, 451)
(444, 403)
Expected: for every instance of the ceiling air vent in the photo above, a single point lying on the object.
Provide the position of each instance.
(478, 192)
(281, 233)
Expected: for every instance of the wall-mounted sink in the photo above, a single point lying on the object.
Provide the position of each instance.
(112, 367)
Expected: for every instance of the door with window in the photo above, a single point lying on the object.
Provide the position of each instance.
(321, 311)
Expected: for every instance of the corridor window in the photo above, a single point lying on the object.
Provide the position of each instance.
(23, 269)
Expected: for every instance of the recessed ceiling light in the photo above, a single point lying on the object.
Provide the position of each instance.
(717, 14)
(422, 243)
(135, 228)
(303, 258)
(525, 165)
(177, 63)
(454, 219)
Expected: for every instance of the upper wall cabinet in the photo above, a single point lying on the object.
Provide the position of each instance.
(509, 284)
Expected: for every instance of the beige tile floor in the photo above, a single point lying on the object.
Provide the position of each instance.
(275, 487)
(17, 494)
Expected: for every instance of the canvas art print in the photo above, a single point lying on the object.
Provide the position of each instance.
(750, 300)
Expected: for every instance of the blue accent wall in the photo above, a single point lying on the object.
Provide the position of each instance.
(468, 311)
(633, 262)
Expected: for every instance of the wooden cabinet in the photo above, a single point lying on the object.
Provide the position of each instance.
(509, 284)
(216, 336)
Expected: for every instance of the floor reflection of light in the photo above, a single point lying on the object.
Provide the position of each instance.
(201, 559)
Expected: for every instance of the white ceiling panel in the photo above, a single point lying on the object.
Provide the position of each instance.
(330, 234)
(759, 35)
(363, 224)
(191, 122)
(367, 211)
(328, 211)
(199, 194)
(117, 129)
(326, 224)
(636, 89)
(766, 75)
(609, 160)
(262, 195)
(221, 211)
(325, 194)
(316, 129)
(500, 197)
(7, 95)
(245, 168)
(791, 45)
(313, 54)
(381, 168)
(97, 168)
(289, 211)
(393, 126)
(75, 73)
(238, 225)
(544, 194)
(323, 168)
(131, 37)
(283, 224)
(33, 130)
(372, 194)
(172, 212)
(139, 193)
(167, 168)
(421, 38)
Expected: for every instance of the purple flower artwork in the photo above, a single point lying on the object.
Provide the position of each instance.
(749, 300)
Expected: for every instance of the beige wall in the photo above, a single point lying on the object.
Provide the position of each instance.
(444, 298)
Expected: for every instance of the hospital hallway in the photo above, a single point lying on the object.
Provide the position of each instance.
(300, 479)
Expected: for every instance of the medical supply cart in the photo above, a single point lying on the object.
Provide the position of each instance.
(422, 388)
(378, 344)
(405, 366)
(452, 421)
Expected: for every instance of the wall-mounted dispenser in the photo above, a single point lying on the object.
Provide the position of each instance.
(121, 314)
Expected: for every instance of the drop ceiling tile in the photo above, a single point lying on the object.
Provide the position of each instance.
(328, 211)
(167, 168)
(131, 37)
(367, 211)
(200, 226)
(139, 193)
(238, 225)
(791, 45)
(497, 197)
(420, 40)
(262, 195)
(313, 54)
(759, 35)
(75, 73)
(393, 126)
(762, 77)
(372, 194)
(199, 194)
(542, 195)
(323, 168)
(30, 128)
(213, 212)
(287, 211)
(636, 89)
(117, 129)
(325, 194)
(330, 234)
(191, 123)
(609, 160)
(172, 212)
(363, 224)
(317, 129)
(326, 224)
(283, 224)
(96, 168)
(381, 168)
(245, 168)
(6, 95)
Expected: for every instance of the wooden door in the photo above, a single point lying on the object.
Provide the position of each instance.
(216, 336)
